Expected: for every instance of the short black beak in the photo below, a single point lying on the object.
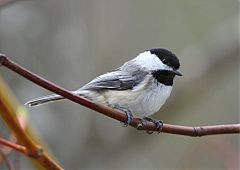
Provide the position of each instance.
(176, 72)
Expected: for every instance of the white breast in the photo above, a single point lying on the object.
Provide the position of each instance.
(144, 100)
(152, 99)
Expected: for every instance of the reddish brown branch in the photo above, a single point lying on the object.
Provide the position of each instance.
(14, 146)
(167, 128)
(9, 164)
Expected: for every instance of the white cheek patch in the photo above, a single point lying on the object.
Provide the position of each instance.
(150, 62)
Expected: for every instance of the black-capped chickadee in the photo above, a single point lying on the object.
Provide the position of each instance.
(139, 87)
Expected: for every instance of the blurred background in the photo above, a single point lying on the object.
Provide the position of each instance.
(71, 42)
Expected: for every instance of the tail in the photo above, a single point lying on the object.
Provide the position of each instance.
(44, 100)
(51, 98)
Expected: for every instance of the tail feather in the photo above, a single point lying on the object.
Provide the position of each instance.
(44, 100)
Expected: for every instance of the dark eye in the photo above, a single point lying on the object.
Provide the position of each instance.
(164, 61)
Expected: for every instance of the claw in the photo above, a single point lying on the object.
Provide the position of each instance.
(158, 124)
(129, 119)
(140, 126)
(128, 113)
(149, 132)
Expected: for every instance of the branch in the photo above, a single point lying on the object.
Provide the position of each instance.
(115, 114)
(9, 112)
(32, 150)
(14, 146)
(4, 156)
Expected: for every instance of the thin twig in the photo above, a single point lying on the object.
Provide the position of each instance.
(167, 128)
(14, 146)
(9, 164)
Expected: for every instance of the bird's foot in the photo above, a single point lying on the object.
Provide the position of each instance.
(142, 124)
(128, 113)
(158, 124)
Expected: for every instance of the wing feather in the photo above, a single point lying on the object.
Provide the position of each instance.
(116, 80)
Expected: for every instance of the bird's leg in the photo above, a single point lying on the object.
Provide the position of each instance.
(158, 124)
(128, 113)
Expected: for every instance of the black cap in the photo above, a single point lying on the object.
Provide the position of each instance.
(167, 57)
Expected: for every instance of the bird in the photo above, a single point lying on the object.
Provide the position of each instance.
(139, 87)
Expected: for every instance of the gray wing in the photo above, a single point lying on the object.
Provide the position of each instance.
(116, 80)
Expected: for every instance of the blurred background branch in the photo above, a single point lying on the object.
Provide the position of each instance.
(8, 112)
(4, 3)
(14, 146)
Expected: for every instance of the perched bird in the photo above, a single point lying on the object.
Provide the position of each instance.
(139, 87)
